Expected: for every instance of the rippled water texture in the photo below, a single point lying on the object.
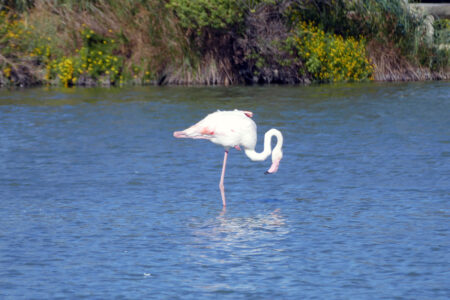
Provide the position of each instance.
(99, 201)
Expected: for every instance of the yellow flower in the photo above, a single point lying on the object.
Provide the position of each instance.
(7, 71)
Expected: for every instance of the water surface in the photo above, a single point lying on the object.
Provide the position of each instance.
(99, 201)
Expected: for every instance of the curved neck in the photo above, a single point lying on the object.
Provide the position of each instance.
(255, 156)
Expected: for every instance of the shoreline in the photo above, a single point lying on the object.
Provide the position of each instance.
(191, 85)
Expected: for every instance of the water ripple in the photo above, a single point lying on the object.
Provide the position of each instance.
(99, 201)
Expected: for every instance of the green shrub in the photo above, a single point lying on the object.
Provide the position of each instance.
(12, 34)
(13, 44)
(441, 55)
(198, 14)
(329, 57)
(390, 22)
(371, 18)
(94, 59)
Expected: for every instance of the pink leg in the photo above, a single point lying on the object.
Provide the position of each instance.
(221, 186)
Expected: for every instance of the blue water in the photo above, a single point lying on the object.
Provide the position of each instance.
(99, 201)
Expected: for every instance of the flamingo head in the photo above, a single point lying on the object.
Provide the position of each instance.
(277, 155)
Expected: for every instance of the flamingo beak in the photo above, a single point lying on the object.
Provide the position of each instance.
(273, 167)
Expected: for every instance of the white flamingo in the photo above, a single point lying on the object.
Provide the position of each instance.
(235, 129)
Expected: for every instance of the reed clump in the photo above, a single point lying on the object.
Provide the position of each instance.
(92, 42)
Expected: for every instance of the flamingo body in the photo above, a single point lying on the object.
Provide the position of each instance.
(226, 128)
(235, 129)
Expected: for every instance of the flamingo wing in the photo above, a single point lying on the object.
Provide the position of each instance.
(196, 131)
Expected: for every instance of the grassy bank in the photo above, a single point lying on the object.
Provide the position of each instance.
(99, 42)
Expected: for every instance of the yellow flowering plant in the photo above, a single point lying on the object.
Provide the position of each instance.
(13, 44)
(329, 57)
(11, 32)
(94, 59)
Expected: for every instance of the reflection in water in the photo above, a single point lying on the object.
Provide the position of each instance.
(235, 243)
(237, 229)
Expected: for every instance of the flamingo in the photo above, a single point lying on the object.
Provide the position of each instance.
(235, 129)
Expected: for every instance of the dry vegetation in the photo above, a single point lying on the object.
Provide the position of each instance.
(92, 42)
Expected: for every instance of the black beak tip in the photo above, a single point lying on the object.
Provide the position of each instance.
(267, 172)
